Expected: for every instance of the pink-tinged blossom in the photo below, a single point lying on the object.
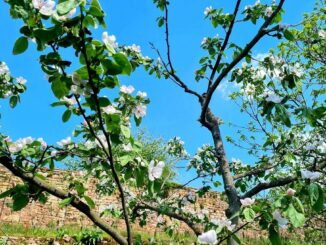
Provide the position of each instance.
(43, 143)
(306, 174)
(209, 237)
(109, 40)
(282, 222)
(127, 89)
(65, 141)
(139, 111)
(45, 7)
(155, 172)
(247, 202)
(290, 192)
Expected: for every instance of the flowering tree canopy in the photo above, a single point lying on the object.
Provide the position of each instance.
(280, 93)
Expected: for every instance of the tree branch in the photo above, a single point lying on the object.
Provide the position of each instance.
(262, 31)
(264, 186)
(194, 227)
(171, 72)
(75, 202)
(106, 134)
(251, 172)
(225, 43)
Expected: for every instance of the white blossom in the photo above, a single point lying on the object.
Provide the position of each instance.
(209, 237)
(204, 41)
(127, 89)
(225, 223)
(282, 222)
(20, 144)
(76, 90)
(322, 147)
(65, 141)
(127, 147)
(155, 172)
(54, 153)
(135, 48)
(4, 68)
(268, 12)
(45, 7)
(141, 94)
(247, 202)
(109, 40)
(306, 174)
(21, 80)
(139, 111)
(272, 96)
(296, 69)
(322, 33)
(71, 101)
(208, 10)
(110, 110)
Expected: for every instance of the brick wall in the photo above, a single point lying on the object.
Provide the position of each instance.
(36, 214)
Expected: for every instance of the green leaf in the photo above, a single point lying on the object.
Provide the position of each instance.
(125, 159)
(160, 21)
(66, 115)
(249, 214)
(297, 219)
(46, 35)
(13, 101)
(283, 114)
(125, 131)
(288, 35)
(274, 236)
(123, 62)
(236, 238)
(20, 201)
(316, 196)
(7, 193)
(20, 45)
(298, 205)
(66, 6)
(89, 201)
(59, 88)
(96, 9)
(65, 202)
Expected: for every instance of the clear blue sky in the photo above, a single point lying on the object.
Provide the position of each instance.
(171, 111)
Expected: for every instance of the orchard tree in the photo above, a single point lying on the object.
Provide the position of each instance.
(280, 93)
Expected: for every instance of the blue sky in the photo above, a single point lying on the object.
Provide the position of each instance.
(171, 111)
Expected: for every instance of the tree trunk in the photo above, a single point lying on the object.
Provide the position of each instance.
(212, 123)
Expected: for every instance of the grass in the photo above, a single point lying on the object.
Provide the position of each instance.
(16, 230)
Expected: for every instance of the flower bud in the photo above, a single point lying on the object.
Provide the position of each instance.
(290, 192)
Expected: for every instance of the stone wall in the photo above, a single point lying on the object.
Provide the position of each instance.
(49, 214)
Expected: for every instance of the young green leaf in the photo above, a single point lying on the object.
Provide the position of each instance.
(20, 46)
